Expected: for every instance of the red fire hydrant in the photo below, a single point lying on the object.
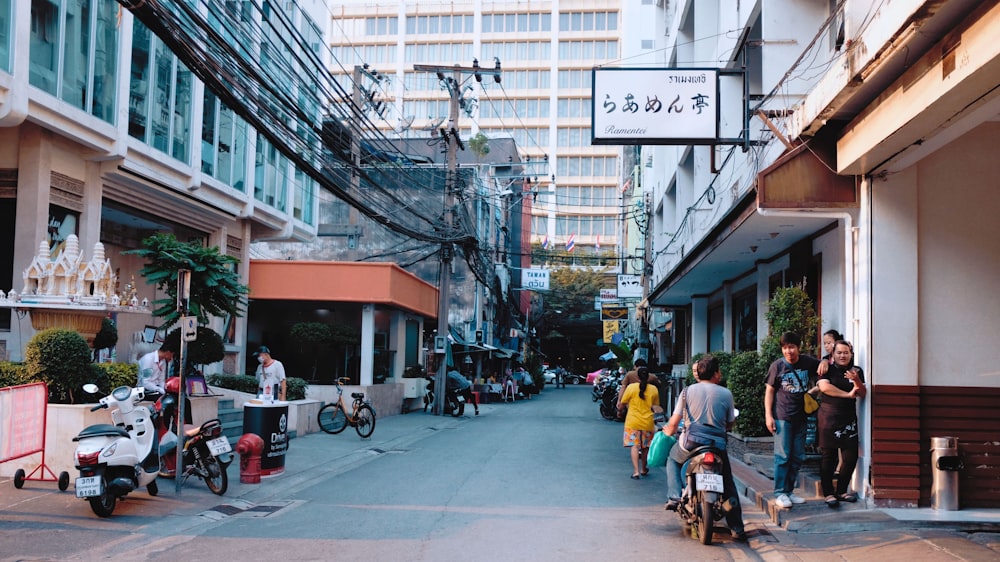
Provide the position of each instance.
(250, 446)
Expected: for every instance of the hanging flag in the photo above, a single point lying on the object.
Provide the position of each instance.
(571, 243)
(545, 242)
(627, 185)
(597, 246)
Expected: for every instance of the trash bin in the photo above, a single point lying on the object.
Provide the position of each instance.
(945, 464)
(270, 422)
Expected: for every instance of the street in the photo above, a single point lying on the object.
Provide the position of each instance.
(540, 479)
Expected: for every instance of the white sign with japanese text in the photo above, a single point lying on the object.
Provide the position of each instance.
(655, 106)
(629, 286)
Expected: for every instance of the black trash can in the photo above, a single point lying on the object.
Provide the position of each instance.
(270, 422)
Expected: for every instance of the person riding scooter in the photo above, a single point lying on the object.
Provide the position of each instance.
(167, 425)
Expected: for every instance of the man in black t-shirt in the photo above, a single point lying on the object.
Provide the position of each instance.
(788, 380)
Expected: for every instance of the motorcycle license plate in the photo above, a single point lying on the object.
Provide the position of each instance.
(219, 446)
(88, 486)
(708, 482)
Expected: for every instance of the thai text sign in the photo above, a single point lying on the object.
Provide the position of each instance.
(655, 106)
(537, 279)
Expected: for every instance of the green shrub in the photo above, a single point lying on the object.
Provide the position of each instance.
(746, 381)
(294, 386)
(112, 375)
(61, 359)
(790, 310)
(13, 374)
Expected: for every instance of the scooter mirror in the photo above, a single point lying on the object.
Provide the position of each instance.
(90, 388)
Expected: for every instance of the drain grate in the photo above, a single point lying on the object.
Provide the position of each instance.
(246, 509)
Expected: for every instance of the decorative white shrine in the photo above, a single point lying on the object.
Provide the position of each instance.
(69, 292)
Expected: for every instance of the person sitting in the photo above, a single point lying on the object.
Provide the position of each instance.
(708, 403)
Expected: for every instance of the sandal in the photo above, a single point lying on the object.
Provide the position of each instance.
(635, 477)
(849, 497)
(645, 472)
(832, 501)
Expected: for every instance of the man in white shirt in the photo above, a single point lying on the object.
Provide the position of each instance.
(154, 367)
(270, 373)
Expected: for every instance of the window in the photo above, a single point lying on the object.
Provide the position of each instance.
(745, 320)
(6, 23)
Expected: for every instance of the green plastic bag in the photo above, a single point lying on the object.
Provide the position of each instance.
(659, 449)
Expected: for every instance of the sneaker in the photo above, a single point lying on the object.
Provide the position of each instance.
(783, 501)
(740, 536)
(796, 499)
(672, 504)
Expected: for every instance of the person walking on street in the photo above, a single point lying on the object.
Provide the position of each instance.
(640, 397)
(788, 380)
(461, 386)
(710, 404)
(270, 374)
(842, 385)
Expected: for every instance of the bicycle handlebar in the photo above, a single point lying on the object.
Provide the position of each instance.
(343, 381)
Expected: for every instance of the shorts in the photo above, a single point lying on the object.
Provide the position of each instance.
(633, 436)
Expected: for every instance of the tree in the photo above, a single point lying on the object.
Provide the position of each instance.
(790, 310)
(564, 316)
(215, 286)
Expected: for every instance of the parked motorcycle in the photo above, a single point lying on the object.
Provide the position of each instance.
(454, 403)
(702, 502)
(609, 397)
(115, 459)
(207, 452)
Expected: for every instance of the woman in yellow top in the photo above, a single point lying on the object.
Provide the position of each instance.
(639, 423)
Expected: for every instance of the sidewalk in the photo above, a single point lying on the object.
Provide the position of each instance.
(857, 531)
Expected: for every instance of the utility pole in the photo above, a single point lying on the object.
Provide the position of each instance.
(450, 135)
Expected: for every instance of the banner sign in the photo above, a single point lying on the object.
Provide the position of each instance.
(22, 431)
(655, 106)
(609, 295)
(610, 329)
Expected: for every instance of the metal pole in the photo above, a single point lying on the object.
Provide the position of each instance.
(183, 294)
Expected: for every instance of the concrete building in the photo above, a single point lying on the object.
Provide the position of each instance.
(106, 135)
(868, 175)
(546, 51)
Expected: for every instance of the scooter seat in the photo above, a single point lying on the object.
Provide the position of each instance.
(101, 430)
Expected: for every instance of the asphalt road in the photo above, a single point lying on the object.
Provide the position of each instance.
(540, 479)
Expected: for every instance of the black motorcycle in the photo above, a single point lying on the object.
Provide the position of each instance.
(702, 502)
(609, 398)
(454, 403)
(207, 452)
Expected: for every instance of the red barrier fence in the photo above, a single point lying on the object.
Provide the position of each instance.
(22, 426)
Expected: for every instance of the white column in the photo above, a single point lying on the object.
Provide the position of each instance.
(699, 325)
(367, 343)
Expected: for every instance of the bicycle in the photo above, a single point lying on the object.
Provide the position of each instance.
(333, 417)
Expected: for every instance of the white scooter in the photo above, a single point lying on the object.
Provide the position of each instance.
(115, 459)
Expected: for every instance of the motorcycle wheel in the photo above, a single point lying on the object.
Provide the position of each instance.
(331, 418)
(365, 424)
(104, 504)
(152, 488)
(706, 522)
(607, 412)
(454, 407)
(215, 475)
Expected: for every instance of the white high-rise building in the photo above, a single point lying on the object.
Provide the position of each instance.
(546, 52)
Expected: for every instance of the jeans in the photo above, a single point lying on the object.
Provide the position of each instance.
(789, 454)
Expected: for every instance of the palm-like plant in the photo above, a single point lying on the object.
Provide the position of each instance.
(215, 286)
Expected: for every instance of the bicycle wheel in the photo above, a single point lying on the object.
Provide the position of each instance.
(365, 423)
(331, 418)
